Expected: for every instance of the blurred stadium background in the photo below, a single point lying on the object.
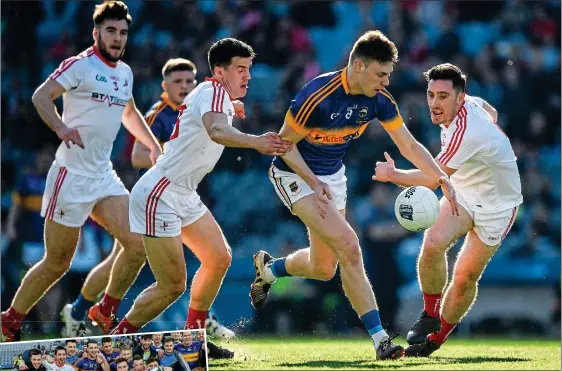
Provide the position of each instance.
(509, 49)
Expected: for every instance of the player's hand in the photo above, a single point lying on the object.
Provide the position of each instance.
(323, 198)
(384, 171)
(99, 359)
(239, 109)
(449, 192)
(272, 144)
(70, 135)
(22, 366)
(154, 153)
(160, 353)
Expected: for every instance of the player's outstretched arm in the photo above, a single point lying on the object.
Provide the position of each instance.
(417, 154)
(137, 126)
(216, 124)
(43, 99)
(387, 172)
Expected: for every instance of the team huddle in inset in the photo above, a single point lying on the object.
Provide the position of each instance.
(476, 170)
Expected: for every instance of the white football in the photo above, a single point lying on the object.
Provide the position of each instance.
(416, 208)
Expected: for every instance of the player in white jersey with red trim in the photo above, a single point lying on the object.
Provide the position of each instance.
(478, 157)
(165, 207)
(97, 95)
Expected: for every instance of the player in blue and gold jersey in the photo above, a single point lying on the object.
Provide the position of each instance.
(325, 116)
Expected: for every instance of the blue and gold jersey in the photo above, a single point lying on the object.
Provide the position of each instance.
(29, 195)
(161, 118)
(190, 353)
(88, 364)
(110, 357)
(330, 117)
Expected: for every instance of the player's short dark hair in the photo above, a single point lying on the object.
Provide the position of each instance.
(221, 52)
(374, 46)
(121, 360)
(167, 339)
(59, 347)
(34, 352)
(153, 359)
(137, 357)
(178, 64)
(91, 341)
(106, 339)
(124, 347)
(447, 71)
(147, 337)
(116, 10)
(71, 341)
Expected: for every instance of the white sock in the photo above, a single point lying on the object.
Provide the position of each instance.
(379, 337)
(269, 276)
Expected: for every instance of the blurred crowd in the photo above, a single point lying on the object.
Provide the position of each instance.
(510, 51)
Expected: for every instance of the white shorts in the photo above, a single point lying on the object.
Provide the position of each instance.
(290, 187)
(160, 208)
(70, 198)
(491, 228)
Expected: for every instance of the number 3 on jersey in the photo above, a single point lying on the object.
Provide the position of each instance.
(176, 131)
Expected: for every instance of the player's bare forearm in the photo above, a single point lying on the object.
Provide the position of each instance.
(137, 126)
(216, 124)
(294, 160)
(43, 99)
(408, 178)
(140, 157)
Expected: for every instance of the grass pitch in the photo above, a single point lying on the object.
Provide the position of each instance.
(333, 353)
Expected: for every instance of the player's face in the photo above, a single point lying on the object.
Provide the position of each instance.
(443, 101)
(138, 365)
(71, 348)
(111, 38)
(187, 338)
(123, 366)
(36, 361)
(157, 338)
(93, 350)
(201, 336)
(176, 336)
(236, 76)
(169, 347)
(107, 348)
(373, 76)
(60, 356)
(178, 84)
(126, 354)
(145, 343)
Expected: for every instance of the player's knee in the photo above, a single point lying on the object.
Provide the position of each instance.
(325, 272)
(220, 261)
(350, 250)
(465, 280)
(59, 265)
(176, 288)
(434, 243)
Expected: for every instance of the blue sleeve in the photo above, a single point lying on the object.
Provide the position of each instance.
(304, 113)
(159, 129)
(388, 113)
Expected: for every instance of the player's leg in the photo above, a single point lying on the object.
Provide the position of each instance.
(205, 238)
(73, 315)
(60, 245)
(166, 259)
(432, 266)
(112, 213)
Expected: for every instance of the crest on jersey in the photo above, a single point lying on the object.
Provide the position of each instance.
(406, 212)
(294, 187)
(363, 112)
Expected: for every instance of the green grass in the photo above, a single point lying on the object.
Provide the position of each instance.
(358, 354)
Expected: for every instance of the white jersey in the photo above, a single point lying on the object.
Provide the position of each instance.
(53, 367)
(487, 176)
(190, 154)
(95, 97)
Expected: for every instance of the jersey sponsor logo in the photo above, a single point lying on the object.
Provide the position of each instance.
(334, 139)
(111, 99)
(101, 78)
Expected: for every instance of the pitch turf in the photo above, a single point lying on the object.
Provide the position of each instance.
(358, 354)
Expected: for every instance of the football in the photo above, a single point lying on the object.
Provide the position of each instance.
(416, 208)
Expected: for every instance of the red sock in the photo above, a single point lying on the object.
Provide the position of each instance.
(109, 305)
(195, 319)
(432, 304)
(12, 319)
(446, 329)
(124, 327)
